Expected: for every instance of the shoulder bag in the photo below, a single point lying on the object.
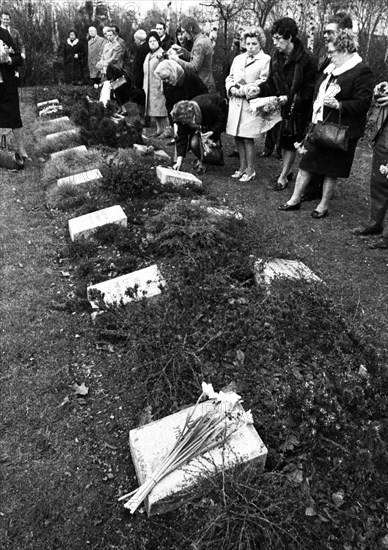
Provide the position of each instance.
(329, 134)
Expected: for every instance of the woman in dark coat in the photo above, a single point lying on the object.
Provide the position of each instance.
(9, 95)
(342, 94)
(73, 59)
(291, 77)
(178, 84)
(206, 113)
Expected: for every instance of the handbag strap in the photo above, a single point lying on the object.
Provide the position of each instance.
(329, 113)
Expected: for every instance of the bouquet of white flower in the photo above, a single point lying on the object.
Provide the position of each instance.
(384, 170)
(200, 433)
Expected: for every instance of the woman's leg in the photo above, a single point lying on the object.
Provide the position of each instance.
(302, 180)
(240, 142)
(327, 193)
(19, 139)
(288, 160)
(250, 155)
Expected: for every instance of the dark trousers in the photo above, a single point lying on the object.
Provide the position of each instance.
(379, 181)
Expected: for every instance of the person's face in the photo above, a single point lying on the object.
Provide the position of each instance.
(5, 20)
(92, 32)
(160, 30)
(330, 33)
(105, 32)
(153, 44)
(72, 36)
(109, 36)
(281, 44)
(186, 34)
(252, 45)
(180, 38)
(167, 78)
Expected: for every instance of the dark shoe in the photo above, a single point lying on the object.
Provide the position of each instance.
(382, 243)
(234, 154)
(367, 230)
(288, 207)
(280, 186)
(319, 215)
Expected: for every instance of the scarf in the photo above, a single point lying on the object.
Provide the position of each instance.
(171, 69)
(74, 43)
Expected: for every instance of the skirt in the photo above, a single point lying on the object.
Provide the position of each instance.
(9, 105)
(329, 162)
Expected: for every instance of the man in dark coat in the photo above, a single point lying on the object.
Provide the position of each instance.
(166, 41)
(9, 95)
(142, 49)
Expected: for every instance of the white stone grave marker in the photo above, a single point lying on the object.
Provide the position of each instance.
(147, 282)
(162, 155)
(151, 443)
(266, 272)
(42, 104)
(83, 177)
(83, 226)
(179, 179)
(55, 121)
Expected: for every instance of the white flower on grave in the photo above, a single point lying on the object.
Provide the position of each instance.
(384, 169)
(208, 391)
(231, 398)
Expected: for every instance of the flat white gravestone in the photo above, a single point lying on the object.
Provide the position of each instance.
(51, 110)
(143, 149)
(162, 155)
(266, 272)
(83, 226)
(179, 179)
(83, 177)
(215, 212)
(65, 152)
(146, 283)
(42, 104)
(150, 444)
(63, 134)
(61, 119)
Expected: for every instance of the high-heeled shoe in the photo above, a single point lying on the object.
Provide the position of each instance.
(319, 215)
(245, 177)
(289, 207)
(238, 174)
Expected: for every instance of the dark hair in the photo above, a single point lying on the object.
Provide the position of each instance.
(346, 41)
(190, 25)
(5, 13)
(116, 28)
(153, 34)
(285, 27)
(70, 31)
(342, 20)
(161, 23)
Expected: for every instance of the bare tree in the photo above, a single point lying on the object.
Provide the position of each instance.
(227, 11)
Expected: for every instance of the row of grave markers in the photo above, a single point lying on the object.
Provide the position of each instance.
(149, 444)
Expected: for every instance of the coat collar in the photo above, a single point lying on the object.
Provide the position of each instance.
(354, 60)
(248, 60)
(74, 43)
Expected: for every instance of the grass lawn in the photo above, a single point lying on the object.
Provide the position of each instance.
(311, 363)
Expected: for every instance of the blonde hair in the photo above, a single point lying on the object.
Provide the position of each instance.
(183, 112)
(254, 32)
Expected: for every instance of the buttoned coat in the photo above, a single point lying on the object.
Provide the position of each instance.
(95, 47)
(153, 86)
(9, 96)
(241, 122)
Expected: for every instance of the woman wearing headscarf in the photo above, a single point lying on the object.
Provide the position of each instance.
(155, 105)
(73, 58)
(177, 83)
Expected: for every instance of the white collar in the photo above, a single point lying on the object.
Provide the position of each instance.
(72, 43)
(354, 60)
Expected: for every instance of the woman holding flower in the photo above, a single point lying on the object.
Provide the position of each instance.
(248, 71)
(343, 95)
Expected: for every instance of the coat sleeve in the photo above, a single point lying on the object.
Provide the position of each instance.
(230, 79)
(269, 87)
(181, 140)
(362, 97)
(264, 73)
(197, 57)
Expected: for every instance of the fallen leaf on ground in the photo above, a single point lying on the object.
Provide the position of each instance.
(80, 389)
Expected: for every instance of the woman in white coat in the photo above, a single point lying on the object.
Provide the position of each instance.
(248, 70)
(155, 105)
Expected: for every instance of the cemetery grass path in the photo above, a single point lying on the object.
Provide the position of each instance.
(59, 453)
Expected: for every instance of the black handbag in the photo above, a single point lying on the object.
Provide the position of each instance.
(115, 84)
(9, 159)
(211, 151)
(330, 135)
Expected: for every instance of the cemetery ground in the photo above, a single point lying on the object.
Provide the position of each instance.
(309, 360)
